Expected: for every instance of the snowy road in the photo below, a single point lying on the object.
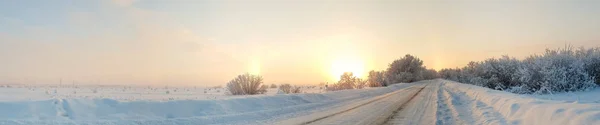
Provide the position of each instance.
(424, 103)
(378, 110)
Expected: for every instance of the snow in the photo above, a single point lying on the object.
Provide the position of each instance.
(527, 109)
(591, 96)
(123, 93)
(145, 109)
(440, 102)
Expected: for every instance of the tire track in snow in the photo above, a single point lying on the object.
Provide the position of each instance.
(444, 114)
(62, 108)
(417, 111)
(477, 111)
(453, 108)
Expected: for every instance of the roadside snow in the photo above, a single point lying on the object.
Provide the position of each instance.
(592, 96)
(525, 109)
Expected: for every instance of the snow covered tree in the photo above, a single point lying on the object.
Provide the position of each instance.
(501, 72)
(563, 72)
(429, 74)
(406, 69)
(376, 79)
(560, 70)
(246, 84)
(347, 81)
(450, 74)
(360, 84)
(591, 62)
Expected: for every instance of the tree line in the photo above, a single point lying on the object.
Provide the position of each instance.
(558, 70)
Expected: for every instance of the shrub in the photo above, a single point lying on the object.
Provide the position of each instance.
(263, 89)
(246, 84)
(273, 86)
(287, 88)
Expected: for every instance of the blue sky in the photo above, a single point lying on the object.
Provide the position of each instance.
(208, 42)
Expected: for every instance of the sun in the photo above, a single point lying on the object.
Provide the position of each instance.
(339, 66)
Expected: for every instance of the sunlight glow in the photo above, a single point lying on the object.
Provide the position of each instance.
(341, 65)
(254, 67)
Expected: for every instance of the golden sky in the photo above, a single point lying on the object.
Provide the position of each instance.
(206, 43)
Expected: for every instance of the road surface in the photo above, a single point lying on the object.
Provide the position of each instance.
(423, 103)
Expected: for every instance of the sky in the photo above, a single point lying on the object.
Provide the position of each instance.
(208, 42)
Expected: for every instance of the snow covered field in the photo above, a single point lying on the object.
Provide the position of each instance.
(122, 93)
(136, 106)
(439, 102)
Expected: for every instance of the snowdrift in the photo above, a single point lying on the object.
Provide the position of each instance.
(526, 110)
(224, 111)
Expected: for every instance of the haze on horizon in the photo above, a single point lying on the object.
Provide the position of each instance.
(206, 43)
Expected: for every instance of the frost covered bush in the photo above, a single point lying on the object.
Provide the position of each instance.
(360, 84)
(375, 78)
(246, 84)
(591, 62)
(287, 88)
(563, 72)
(405, 70)
(347, 81)
(560, 70)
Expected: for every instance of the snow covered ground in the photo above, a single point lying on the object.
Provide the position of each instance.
(507, 108)
(592, 96)
(122, 93)
(144, 109)
(426, 102)
(444, 102)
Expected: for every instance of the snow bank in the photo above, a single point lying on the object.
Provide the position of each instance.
(223, 111)
(522, 109)
(590, 96)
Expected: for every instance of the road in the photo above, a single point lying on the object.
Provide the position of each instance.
(424, 103)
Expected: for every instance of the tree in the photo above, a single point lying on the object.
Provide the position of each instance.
(246, 84)
(347, 81)
(376, 79)
(360, 84)
(406, 69)
(559, 70)
(429, 74)
(591, 62)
